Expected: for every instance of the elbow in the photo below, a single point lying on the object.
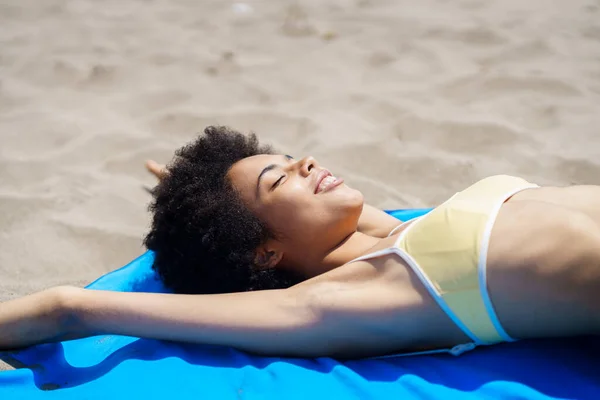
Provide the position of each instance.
(66, 305)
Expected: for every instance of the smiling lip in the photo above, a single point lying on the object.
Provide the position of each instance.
(322, 175)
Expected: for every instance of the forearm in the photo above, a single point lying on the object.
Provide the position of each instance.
(37, 318)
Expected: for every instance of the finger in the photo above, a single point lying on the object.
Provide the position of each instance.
(158, 170)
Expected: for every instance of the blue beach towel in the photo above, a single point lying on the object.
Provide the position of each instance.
(118, 367)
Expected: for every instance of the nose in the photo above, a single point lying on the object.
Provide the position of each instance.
(306, 165)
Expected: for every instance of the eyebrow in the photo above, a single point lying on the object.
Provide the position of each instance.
(268, 168)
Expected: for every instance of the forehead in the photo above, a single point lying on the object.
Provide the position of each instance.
(252, 166)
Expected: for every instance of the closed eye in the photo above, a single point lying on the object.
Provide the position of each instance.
(277, 182)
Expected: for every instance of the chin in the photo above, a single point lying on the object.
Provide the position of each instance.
(353, 203)
(347, 204)
(354, 197)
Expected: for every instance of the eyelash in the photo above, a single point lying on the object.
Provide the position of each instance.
(277, 182)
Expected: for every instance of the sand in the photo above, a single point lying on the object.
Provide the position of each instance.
(408, 101)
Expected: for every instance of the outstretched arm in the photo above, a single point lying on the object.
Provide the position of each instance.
(307, 320)
(273, 322)
(335, 314)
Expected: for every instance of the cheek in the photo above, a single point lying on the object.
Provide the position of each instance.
(292, 207)
(296, 213)
(291, 211)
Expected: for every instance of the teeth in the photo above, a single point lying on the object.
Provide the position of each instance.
(326, 182)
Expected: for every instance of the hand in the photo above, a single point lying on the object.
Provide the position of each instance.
(158, 170)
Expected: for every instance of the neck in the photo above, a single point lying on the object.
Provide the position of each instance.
(355, 245)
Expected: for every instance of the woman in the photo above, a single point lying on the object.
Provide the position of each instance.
(500, 261)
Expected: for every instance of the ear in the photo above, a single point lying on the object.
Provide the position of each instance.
(268, 255)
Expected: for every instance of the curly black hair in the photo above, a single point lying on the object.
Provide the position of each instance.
(203, 236)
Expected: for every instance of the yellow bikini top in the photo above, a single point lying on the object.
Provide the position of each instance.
(447, 249)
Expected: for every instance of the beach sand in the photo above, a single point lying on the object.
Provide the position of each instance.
(408, 101)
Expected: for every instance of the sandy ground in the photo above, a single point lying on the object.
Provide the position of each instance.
(409, 101)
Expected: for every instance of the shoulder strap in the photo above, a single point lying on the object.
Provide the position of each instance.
(375, 254)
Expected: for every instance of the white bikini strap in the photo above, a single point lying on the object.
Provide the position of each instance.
(389, 250)
(414, 220)
(375, 254)
(396, 228)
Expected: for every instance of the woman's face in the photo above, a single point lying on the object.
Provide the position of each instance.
(308, 209)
